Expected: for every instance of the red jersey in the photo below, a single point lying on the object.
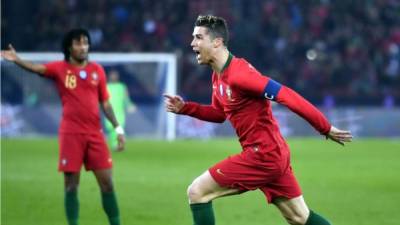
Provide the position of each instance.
(81, 89)
(242, 95)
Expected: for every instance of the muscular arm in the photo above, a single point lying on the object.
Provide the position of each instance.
(109, 113)
(11, 55)
(32, 67)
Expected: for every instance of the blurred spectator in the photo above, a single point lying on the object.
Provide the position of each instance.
(10, 123)
(349, 49)
(188, 127)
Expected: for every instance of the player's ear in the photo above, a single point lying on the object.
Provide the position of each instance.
(218, 42)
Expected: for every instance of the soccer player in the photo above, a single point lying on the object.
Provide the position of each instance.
(120, 101)
(81, 85)
(242, 95)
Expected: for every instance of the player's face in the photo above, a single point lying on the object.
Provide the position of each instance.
(80, 49)
(114, 77)
(202, 45)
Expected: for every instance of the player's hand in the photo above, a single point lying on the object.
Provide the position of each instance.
(10, 54)
(174, 103)
(121, 142)
(339, 136)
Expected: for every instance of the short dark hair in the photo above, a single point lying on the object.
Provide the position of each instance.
(217, 26)
(74, 34)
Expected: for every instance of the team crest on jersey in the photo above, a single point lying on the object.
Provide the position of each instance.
(221, 90)
(95, 78)
(229, 93)
(256, 148)
(82, 74)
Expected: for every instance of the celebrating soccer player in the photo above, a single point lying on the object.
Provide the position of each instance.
(242, 95)
(82, 87)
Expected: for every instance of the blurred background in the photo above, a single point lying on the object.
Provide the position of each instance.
(343, 56)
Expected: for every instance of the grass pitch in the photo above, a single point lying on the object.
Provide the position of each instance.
(355, 185)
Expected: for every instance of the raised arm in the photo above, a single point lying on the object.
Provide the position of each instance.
(11, 55)
(176, 104)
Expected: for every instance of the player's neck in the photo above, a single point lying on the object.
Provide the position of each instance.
(219, 60)
(77, 63)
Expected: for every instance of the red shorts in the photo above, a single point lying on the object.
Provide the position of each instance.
(88, 149)
(254, 169)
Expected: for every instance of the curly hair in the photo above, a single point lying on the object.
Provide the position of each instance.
(74, 34)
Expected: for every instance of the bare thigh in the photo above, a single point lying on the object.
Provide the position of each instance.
(204, 189)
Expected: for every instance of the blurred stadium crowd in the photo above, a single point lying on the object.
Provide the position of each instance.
(332, 52)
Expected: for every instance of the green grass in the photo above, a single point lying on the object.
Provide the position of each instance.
(355, 185)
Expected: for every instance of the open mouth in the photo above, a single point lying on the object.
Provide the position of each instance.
(197, 53)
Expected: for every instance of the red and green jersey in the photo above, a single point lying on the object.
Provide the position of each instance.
(81, 90)
(243, 96)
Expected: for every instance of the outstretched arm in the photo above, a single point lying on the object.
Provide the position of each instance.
(176, 104)
(11, 55)
(306, 110)
(109, 113)
(257, 85)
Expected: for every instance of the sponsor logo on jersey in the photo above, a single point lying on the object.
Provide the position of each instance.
(220, 172)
